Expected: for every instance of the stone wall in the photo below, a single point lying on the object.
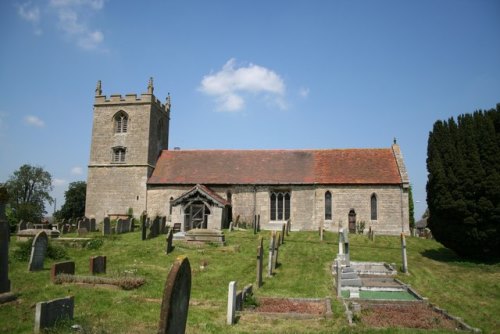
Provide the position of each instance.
(307, 205)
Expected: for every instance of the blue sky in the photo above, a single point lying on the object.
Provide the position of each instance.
(243, 75)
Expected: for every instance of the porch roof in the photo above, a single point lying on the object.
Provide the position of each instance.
(205, 192)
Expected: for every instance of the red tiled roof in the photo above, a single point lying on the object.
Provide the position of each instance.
(339, 166)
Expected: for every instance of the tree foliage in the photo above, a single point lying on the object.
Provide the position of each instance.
(28, 189)
(74, 201)
(463, 187)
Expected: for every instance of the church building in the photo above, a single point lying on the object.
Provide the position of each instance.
(132, 170)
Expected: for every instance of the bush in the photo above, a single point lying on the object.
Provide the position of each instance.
(94, 244)
(56, 252)
(23, 251)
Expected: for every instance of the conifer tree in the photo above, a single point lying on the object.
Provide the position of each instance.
(463, 188)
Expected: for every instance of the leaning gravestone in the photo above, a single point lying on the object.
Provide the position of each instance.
(175, 303)
(38, 251)
(260, 259)
(49, 312)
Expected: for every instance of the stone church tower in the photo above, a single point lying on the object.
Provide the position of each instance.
(128, 134)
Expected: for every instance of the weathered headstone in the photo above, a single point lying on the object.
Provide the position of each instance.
(38, 251)
(163, 225)
(170, 237)
(258, 223)
(175, 303)
(254, 225)
(260, 256)
(4, 243)
(97, 265)
(92, 225)
(276, 250)
(119, 226)
(288, 227)
(271, 254)
(66, 267)
(106, 226)
(231, 303)
(283, 231)
(144, 227)
(49, 312)
(403, 253)
(66, 228)
(346, 249)
(231, 226)
(82, 232)
(339, 278)
(341, 241)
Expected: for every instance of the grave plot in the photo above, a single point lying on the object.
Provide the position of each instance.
(294, 307)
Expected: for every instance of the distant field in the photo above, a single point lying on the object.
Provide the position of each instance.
(466, 289)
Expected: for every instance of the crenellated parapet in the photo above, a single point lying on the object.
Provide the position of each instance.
(131, 99)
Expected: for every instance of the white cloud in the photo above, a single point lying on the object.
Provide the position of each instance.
(77, 170)
(70, 22)
(231, 83)
(34, 121)
(304, 92)
(58, 182)
(30, 13)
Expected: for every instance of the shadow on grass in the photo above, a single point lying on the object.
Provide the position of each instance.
(444, 254)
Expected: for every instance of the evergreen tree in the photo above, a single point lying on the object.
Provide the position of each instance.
(463, 188)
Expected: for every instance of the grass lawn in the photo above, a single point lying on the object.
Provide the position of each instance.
(466, 289)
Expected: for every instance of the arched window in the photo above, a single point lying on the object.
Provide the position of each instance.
(118, 154)
(280, 205)
(328, 205)
(373, 207)
(170, 205)
(121, 122)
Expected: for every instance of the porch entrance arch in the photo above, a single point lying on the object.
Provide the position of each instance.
(196, 215)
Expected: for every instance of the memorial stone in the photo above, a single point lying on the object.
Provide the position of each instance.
(106, 226)
(97, 264)
(260, 259)
(49, 312)
(170, 238)
(231, 303)
(38, 251)
(176, 294)
(66, 267)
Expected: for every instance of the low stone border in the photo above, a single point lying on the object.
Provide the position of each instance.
(457, 319)
(294, 315)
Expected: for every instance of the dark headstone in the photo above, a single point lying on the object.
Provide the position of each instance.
(260, 259)
(92, 225)
(258, 223)
(38, 251)
(239, 301)
(176, 294)
(4, 243)
(97, 265)
(144, 227)
(49, 312)
(106, 226)
(170, 237)
(67, 267)
(163, 225)
(66, 228)
(283, 231)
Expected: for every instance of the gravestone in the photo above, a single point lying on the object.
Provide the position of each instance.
(97, 265)
(239, 301)
(339, 278)
(254, 225)
(66, 267)
(260, 256)
(22, 225)
(283, 228)
(130, 226)
(120, 226)
(403, 253)
(66, 228)
(144, 227)
(163, 225)
(231, 226)
(276, 251)
(341, 241)
(288, 227)
(271, 254)
(231, 302)
(106, 226)
(4, 243)
(92, 225)
(346, 249)
(82, 232)
(49, 312)
(38, 251)
(170, 237)
(175, 302)
(258, 223)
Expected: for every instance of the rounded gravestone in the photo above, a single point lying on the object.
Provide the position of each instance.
(38, 251)
(175, 303)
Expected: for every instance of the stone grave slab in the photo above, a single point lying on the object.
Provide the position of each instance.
(47, 313)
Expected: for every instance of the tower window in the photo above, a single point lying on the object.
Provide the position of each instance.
(119, 154)
(121, 122)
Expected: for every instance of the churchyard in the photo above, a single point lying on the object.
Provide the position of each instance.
(465, 289)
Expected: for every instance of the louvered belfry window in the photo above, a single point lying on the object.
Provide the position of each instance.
(119, 154)
(121, 122)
